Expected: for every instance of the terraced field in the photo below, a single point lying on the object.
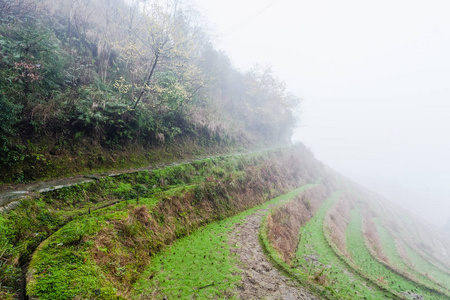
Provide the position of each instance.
(208, 263)
(319, 266)
(344, 252)
(273, 225)
(409, 262)
(96, 239)
(378, 272)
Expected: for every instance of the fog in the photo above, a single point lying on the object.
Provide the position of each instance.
(374, 78)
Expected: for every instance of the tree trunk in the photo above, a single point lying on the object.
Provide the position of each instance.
(147, 80)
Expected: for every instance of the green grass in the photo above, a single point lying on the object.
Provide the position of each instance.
(37, 219)
(339, 282)
(62, 266)
(356, 247)
(200, 266)
(122, 232)
(427, 268)
(426, 274)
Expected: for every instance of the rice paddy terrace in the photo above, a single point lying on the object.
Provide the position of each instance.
(269, 225)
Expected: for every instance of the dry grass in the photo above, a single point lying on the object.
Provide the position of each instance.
(320, 278)
(284, 222)
(337, 219)
(402, 253)
(372, 237)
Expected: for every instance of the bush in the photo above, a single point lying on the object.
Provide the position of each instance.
(33, 63)
(9, 154)
(8, 118)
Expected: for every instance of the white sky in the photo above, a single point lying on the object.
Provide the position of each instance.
(375, 81)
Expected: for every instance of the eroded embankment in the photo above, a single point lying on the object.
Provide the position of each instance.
(284, 222)
(108, 249)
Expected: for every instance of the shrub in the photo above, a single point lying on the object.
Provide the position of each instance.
(9, 154)
(8, 118)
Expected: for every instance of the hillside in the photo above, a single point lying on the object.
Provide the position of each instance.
(274, 223)
(96, 85)
(137, 163)
(105, 233)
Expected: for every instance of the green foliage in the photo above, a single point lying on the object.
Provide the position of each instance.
(81, 78)
(170, 92)
(99, 112)
(9, 116)
(257, 100)
(32, 61)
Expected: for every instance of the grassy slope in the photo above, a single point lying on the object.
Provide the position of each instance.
(36, 219)
(318, 267)
(422, 270)
(340, 281)
(427, 268)
(199, 260)
(122, 238)
(361, 256)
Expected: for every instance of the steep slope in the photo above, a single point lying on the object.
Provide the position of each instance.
(106, 85)
(95, 85)
(146, 234)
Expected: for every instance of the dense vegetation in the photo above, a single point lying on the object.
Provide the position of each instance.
(82, 77)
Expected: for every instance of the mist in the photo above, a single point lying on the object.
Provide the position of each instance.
(373, 77)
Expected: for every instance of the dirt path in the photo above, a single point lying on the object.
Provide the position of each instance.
(11, 194)
(260, 280)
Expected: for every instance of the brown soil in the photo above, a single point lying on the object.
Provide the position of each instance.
(260, 280)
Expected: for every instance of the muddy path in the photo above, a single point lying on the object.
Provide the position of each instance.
(260, 279)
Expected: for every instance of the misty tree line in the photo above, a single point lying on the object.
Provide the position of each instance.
(121, 71)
